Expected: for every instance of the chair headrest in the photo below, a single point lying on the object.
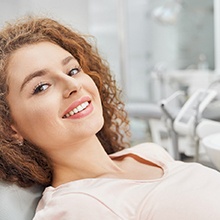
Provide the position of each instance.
(18, 203)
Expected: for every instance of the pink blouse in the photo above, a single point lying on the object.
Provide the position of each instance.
(186, 191)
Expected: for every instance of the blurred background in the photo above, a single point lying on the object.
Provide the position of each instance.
(154, 47)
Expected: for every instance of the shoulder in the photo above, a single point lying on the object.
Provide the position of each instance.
(69, 204)
(148, 150)
(147, 146)
(153, 151)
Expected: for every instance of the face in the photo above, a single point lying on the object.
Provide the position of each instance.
(53, 102)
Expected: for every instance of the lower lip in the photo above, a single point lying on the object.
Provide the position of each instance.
(83, 113)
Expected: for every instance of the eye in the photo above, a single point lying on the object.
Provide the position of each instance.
(40, 88)
(74, 71)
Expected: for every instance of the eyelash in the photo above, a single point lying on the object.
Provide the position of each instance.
(78, 69)
(39, 87)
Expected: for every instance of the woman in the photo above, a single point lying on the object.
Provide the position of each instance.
(63, 126)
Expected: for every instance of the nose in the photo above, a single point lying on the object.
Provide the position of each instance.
(70, 86)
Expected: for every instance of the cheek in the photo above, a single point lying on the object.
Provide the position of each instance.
(32, 120)
(38, 127)
(33, 112)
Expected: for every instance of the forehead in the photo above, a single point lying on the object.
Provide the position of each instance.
(30, 58)
(40, 51)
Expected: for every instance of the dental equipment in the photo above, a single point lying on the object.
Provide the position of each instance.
(209, 133)
(191, 113)
(171, 117)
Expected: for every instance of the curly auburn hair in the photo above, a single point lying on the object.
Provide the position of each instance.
(27, 165)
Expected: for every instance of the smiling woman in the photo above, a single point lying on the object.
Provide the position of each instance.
(45, 91)
(64, 127)
(21, 80)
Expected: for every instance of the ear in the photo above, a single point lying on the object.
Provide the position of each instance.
(17, 135)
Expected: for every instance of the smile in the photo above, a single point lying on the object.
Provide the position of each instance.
(76, 110)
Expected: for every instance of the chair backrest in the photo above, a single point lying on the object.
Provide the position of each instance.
(18, 203)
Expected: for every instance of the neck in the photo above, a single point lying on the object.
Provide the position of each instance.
(88, 159)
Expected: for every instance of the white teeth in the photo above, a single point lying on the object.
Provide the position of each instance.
(77, 109)
(85, 104)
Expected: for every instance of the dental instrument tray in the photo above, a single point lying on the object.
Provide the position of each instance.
(191, 112)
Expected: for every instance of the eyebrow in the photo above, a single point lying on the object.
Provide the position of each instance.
(33, 75)
(67, 60)
(43, 71)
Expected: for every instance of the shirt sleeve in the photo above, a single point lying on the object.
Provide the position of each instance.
(75, 206)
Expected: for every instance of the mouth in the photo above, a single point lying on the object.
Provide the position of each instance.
(77, 109)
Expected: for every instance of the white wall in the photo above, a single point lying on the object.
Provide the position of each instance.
(72, 12)
(103, 24)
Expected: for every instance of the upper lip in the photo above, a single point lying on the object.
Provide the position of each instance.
(76, 103)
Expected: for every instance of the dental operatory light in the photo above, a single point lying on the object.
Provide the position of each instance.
(168, 12)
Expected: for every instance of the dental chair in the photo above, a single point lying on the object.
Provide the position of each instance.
(209, 133)
(18, 203)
